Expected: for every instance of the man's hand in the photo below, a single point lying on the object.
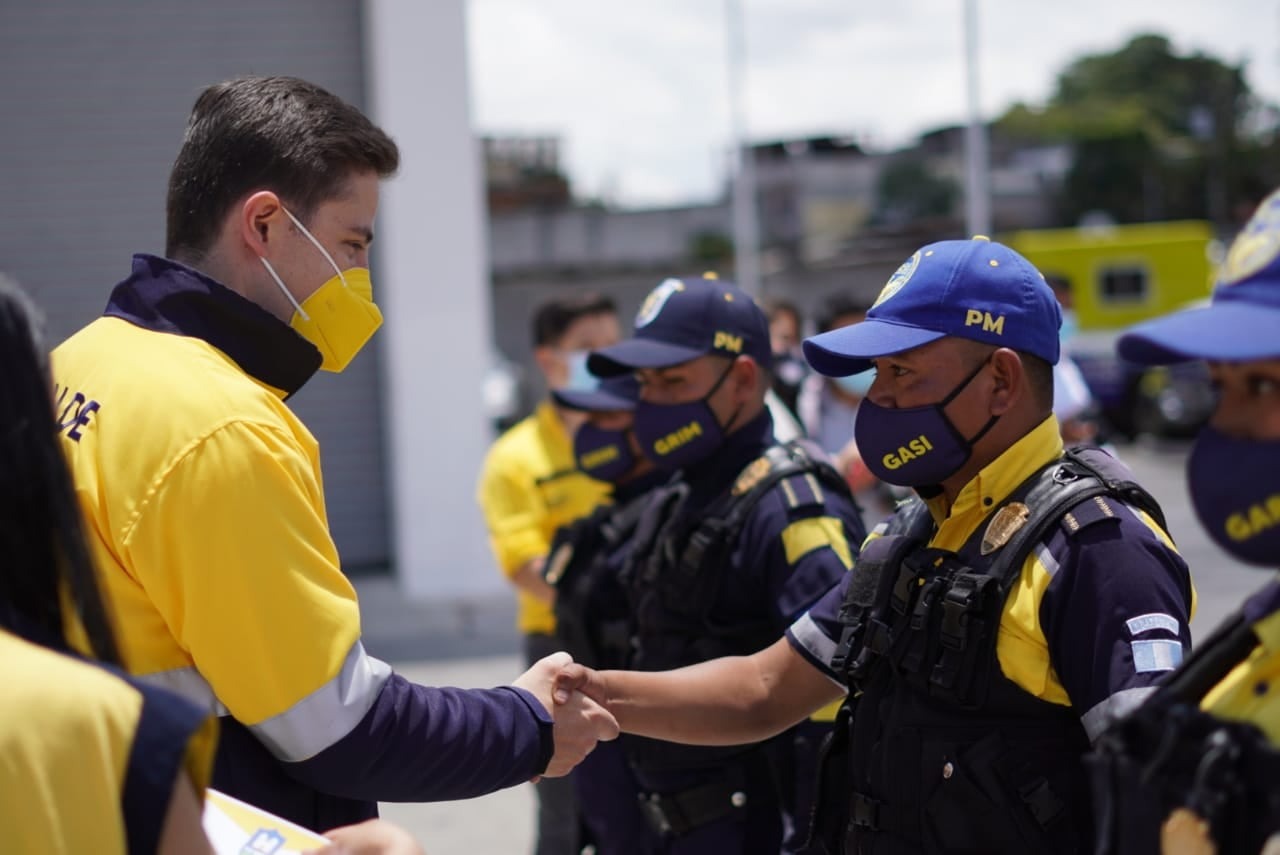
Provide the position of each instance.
(574, 678)
(375, 837)
(579, 721)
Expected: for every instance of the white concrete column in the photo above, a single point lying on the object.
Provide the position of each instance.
(431, 280)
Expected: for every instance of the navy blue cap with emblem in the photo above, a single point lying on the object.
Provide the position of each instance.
(610, 394)
(1241, 323)
(976, 289)
(683, 319)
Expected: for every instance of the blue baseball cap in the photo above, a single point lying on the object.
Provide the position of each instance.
(683, 319)
(976, 289)
(1241, 322)
(612, 393)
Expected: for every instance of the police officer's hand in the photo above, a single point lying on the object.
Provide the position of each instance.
(574, 678)
(375, 837)
(579, 721)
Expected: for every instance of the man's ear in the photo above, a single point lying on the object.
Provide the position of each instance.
(1009, 379)
(747, 375)
(544, 356)
(261, 219)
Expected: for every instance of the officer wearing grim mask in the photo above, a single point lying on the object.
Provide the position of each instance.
(992, 626)
(1197, 767)
(746, 536)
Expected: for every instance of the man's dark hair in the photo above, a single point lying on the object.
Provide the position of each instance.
(774, 306)
(266, 133)
(42, 537)
(552, 319)
(836, 307)
(1039, 379)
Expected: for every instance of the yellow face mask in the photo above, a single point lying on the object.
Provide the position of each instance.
(340, 316)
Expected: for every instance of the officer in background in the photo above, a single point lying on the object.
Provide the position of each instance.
(529, 487)
(748, 536)
(591, 607)
(993, 626)
(1197, 767)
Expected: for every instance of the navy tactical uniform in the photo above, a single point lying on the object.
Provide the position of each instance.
(585, 566)
(991, 628)
(592, 622)
(1197, 767)
(745, 537)
(968, 729)
(740, 600)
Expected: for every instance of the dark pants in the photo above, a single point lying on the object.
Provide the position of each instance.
(608, 797)
(558, 831)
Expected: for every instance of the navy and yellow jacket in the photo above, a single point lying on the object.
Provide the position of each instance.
(203, 496)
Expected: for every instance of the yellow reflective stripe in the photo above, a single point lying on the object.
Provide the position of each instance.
(803, 536)
(1021, 647)
(828, 713)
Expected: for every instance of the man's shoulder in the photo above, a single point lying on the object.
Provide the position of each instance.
(146, 398)
(791, 495)
(519, 448)
(60, 683)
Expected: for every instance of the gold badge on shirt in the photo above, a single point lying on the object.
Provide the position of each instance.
(1004, 525)
(752, 475)
(1186, 833)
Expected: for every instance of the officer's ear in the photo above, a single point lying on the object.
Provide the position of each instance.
(1009, 381)
(748, 378)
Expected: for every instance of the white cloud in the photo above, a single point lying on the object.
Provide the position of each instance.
(638, 90)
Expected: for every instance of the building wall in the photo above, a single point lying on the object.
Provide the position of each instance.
(95, 100)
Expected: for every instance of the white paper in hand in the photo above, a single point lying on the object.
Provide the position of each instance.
(237, 828)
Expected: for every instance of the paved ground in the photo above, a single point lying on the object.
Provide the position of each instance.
(473, 644)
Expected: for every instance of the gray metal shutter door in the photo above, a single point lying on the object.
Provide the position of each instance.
(94, 101)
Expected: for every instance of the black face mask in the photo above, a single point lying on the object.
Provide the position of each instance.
(915, 446)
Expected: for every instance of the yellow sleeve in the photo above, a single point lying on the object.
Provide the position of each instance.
(514, 512)
(233, 548)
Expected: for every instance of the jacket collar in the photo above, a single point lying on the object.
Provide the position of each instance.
(166, 296)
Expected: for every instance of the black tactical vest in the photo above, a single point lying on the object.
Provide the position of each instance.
(677, 566)
(941, 751)
(1168, 758)
(584, 566)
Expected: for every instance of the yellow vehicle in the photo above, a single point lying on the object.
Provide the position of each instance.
(1112, 277)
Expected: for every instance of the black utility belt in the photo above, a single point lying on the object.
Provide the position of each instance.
(675, 814)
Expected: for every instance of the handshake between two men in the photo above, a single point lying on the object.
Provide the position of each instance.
(734, 700)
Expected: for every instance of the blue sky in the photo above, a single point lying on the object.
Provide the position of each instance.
(638, 90)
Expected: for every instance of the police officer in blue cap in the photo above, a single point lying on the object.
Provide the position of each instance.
(591, 607)
(1197, 767)
(747, 535)
(993, 626)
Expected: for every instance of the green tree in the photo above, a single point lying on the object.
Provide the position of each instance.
(1156, 134)
(907, 191)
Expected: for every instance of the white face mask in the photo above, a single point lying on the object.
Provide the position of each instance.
(340, 317)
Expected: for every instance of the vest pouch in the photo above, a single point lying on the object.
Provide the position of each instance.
(992, 796)
(968, 612)
(828, 818)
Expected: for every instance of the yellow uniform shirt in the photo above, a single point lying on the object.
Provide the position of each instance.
(529, 487)
(87, 760)
(1251, 692)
